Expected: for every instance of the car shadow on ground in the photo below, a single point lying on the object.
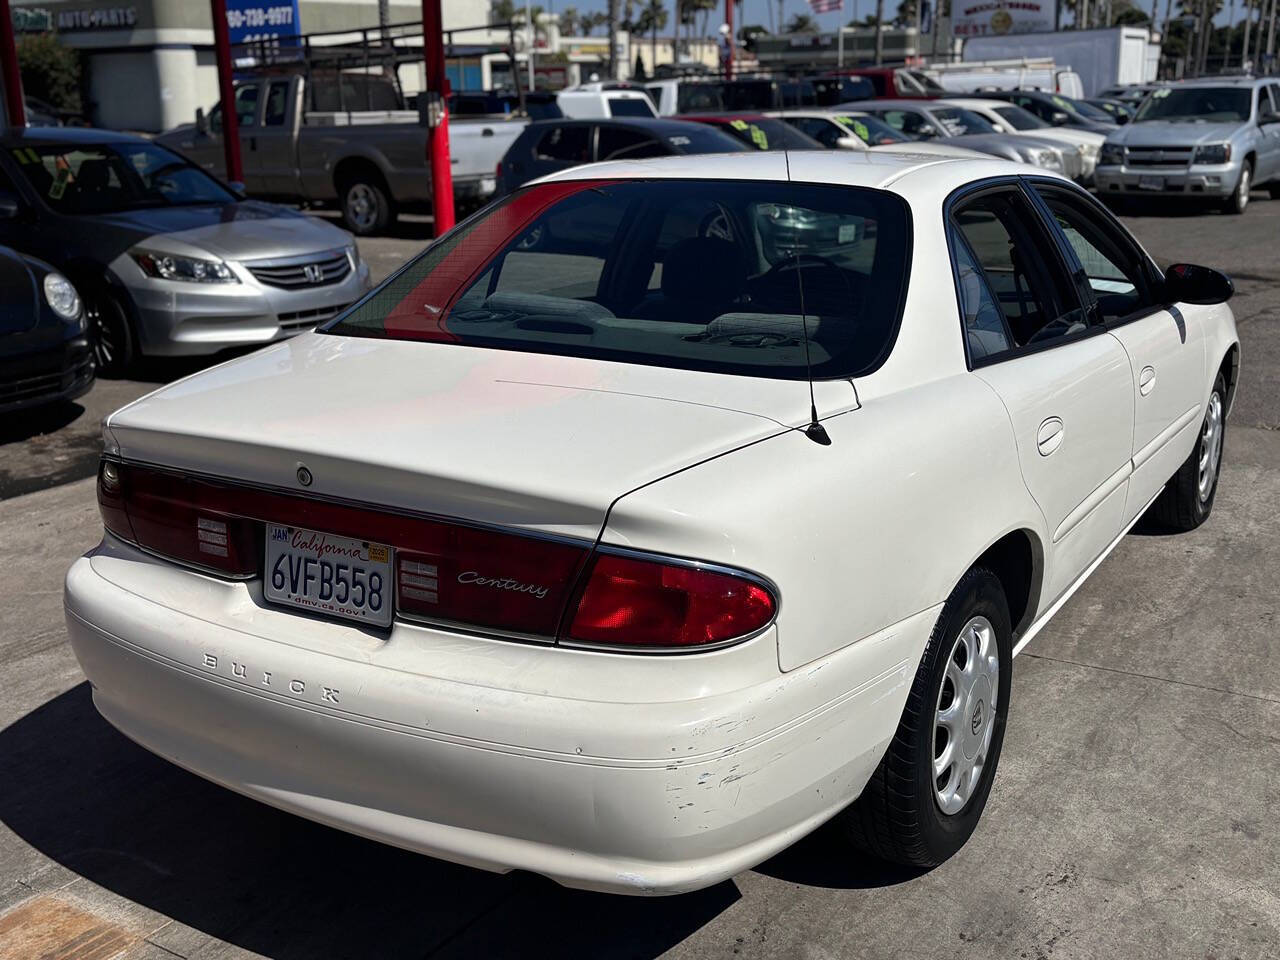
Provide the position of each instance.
(25, 424)
(89, 799)
(405, 228)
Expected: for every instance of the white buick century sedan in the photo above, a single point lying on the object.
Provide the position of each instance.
(657, 514)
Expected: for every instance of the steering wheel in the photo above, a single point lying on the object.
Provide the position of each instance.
(780, 272)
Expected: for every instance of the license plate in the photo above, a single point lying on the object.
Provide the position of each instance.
(323, 573)
(846, 233)
(1151, 183)
(488, 184)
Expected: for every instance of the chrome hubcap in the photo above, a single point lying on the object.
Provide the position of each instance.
(965, 717)
(1210, 446)
(362, 205)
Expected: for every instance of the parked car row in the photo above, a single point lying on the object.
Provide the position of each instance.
(134, 250)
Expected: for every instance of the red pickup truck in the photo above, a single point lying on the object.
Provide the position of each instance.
(898, 83)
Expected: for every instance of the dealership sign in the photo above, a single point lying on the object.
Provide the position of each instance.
(984, 17)
(249, 21)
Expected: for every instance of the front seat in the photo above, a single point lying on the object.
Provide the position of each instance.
(702, 277)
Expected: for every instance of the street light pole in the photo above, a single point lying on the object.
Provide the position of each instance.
(438, 116)
(226, 92)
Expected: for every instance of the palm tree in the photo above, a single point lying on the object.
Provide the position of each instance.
(505, 11)
(653, 17)
(570, 22)
(802, 23)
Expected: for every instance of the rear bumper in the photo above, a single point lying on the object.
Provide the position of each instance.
(655, 797)
(1193, 181)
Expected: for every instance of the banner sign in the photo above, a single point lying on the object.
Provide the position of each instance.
(249, 21)
(977, 18)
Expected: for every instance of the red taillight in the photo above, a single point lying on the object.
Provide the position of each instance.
(193, 521)
(631, 602)
(447, 572)
(485, 578)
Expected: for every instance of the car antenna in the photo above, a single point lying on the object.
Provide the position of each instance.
(815, 431)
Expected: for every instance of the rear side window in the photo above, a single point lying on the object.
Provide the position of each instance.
(723, 276)
(630, 107)
(566, 144)
(1004, 243)
(619, 143)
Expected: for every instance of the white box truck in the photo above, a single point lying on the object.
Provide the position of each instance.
(1101, 57)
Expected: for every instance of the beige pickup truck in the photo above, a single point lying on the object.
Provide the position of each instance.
(344, 141)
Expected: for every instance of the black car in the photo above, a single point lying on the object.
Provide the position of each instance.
(1118, 110)
(550, 145)
(1056, 109)
(45, 353)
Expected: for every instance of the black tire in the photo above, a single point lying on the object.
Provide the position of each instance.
(115, 343)
(1182, 504)
(1238, 202)
(899, 816)
(366, 204)
(1274, 190)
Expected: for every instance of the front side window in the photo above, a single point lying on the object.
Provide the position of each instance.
(1112, 266)
(909, 122)
(722, 276)
(277, 102)
(247, 105)
(619, 143)
(111, 177)
(1031, 290)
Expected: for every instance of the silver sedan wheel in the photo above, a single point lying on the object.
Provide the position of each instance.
(965, 716)
(1210, 447)
(362, 206)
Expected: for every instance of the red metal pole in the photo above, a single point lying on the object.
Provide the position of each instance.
(728, 18)
(226, 91)
(438, 132)
(14, 108)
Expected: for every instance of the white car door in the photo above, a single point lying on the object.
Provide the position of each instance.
(1164, 342)
(1065, 383)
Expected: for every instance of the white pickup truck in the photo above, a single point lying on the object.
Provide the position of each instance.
(344, 143)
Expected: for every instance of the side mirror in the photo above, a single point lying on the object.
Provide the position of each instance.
(849, 143)
(9, 206)
(926, 133)
(1058, 118)
(1188, 283)
(1121, 118)
(202, 122)
(237, 188)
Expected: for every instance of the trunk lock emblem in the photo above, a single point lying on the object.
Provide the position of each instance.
(304, 475)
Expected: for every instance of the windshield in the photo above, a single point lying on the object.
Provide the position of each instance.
(1197, 105)
(766, 133)
(1018, 118)
(959, 121)
(871, 130)
(111, 177)
(722, 276)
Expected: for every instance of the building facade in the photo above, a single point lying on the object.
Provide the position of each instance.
(149, 63)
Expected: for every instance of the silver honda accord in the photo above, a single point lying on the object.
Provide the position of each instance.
(169, 260)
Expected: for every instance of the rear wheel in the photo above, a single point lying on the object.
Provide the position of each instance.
(924, 800)
(1238, 202)
(367, 208)
(1187, 499)
(111, 332)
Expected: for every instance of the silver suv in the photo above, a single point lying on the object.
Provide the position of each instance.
(1203, 138)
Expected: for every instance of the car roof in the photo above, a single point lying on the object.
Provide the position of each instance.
(47, 136)
(726, 117)
(839, 167)
(659, 125)
(869, 105)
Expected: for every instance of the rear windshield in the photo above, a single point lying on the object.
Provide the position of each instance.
(630, 107)
(766, 133)
(723, 276)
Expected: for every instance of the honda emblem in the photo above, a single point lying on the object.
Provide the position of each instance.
(314, 272)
